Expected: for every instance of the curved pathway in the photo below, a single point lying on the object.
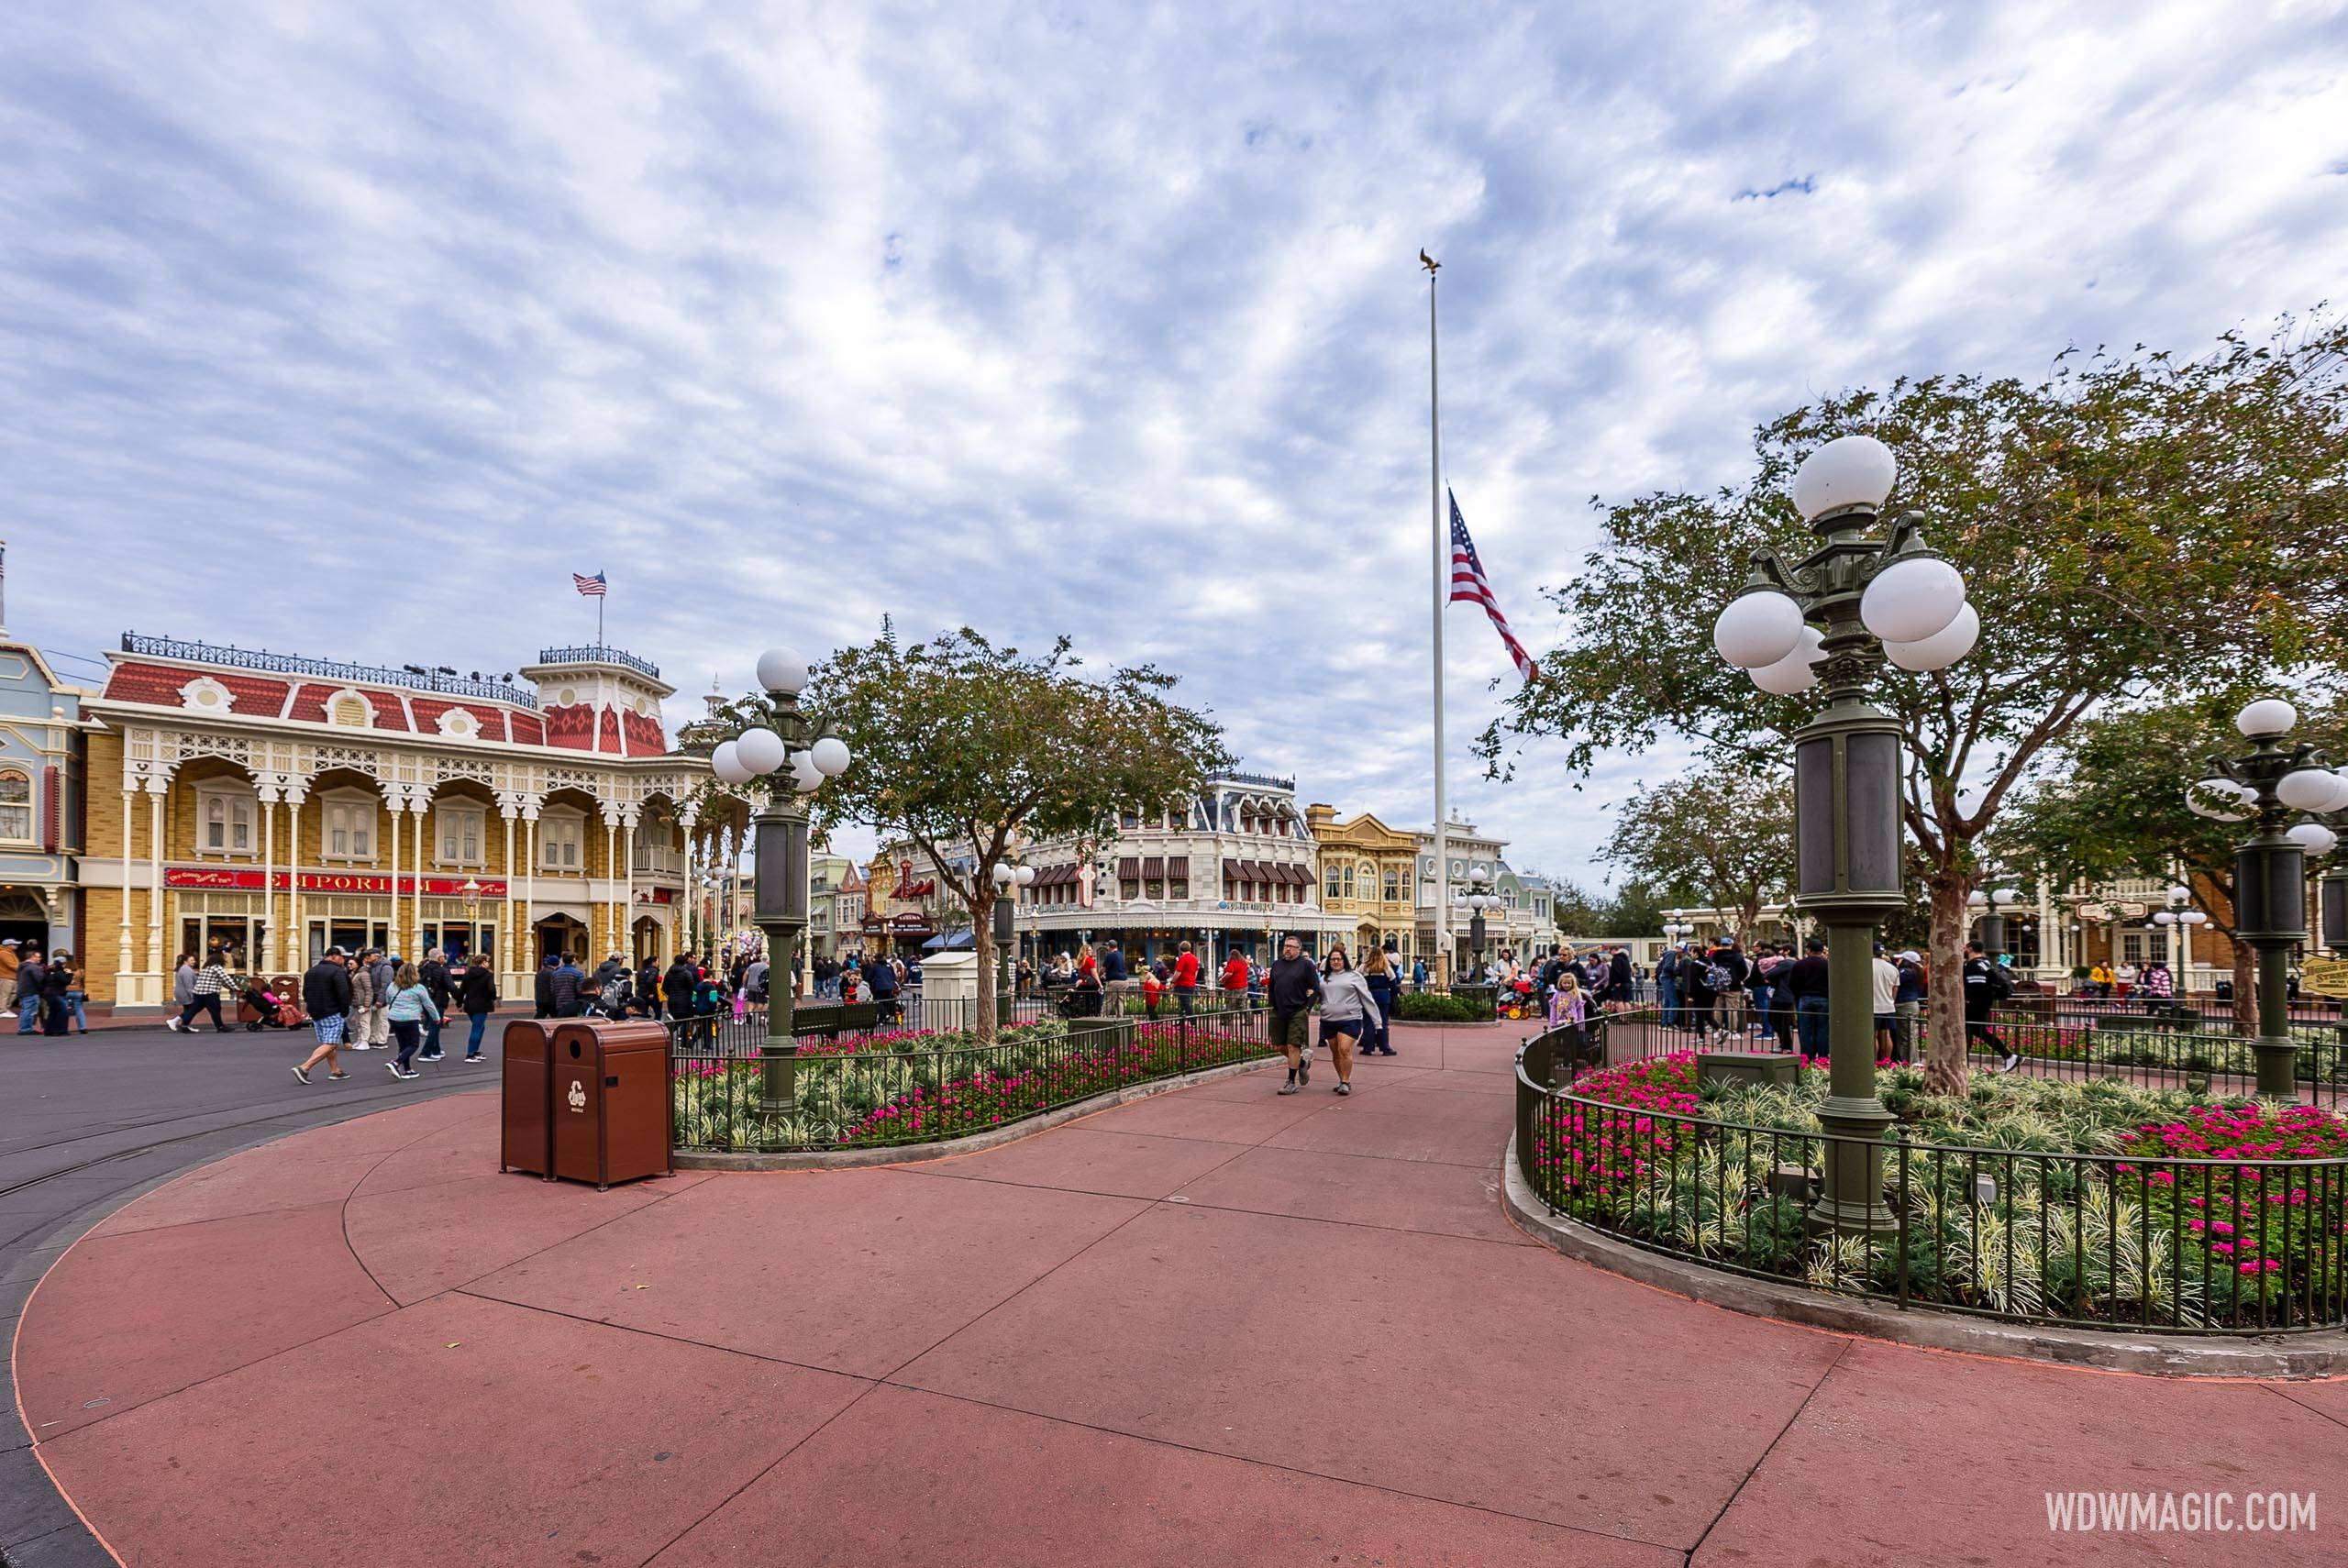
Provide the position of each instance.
(1213, 1327)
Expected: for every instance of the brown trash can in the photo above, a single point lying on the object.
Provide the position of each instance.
(526, 1137)
(611, 1100)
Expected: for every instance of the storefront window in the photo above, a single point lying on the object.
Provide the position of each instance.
(16, 806)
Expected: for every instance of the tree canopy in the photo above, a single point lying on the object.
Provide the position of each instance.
(1723, 831)
(2131, 522)
(970, 750)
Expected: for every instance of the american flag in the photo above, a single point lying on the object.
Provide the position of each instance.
(590, 587)
(1468, 583)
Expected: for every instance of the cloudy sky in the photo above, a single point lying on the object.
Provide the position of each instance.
(351, 330)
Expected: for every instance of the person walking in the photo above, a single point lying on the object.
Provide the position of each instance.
(1381, 974)
(477, 995)
(1908, 1005)
(1667, 983)
(77, 995)
(410, 1006)
(211, 983)
(679, 984)
(882, 978)
(1883, 994)
(648, 988)
(326, 997)
(1235, 978)
(433, 974)
(1807, 980)
(1349, 1013)
(1983, 983)
(1294, 985)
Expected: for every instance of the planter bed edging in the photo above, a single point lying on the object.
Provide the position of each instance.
(2294, 1356)
(972, 1144)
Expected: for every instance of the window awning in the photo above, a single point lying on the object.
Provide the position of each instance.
(1296, 874)
(1153, 866)
(1129, 866)
(1232, 872)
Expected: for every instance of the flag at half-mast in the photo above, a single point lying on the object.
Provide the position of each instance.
(590, 587)
(1469, 584)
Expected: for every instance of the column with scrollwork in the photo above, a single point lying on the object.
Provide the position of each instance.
(529, 960)
(419, 804)
(508, 810)
(158, 785)
(123, 960)
(627, 883)
(612, 914)
(297, 944)
(266, 953)
(681, 938)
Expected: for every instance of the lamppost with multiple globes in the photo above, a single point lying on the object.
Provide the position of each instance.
(1008, 880)
(1993, 906)
(2177, 922)
(1478, 897)
(792, 742)
(2266, 787)
(1871, 600)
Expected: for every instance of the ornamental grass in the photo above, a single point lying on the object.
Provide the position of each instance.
(2093, 1201)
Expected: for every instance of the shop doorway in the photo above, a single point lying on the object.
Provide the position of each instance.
(560, 934)
(644, 943)
(23, 920)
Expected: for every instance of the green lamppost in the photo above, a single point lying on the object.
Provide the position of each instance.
(1837, 614)
(2266, 787)
(794, 743)
(1008, 880)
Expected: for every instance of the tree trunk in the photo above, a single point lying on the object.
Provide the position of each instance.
(2245, 988)
(1944, 1003)
(982, 945)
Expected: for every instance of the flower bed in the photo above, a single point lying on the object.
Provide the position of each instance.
(2095, 1201)
(919, 1086)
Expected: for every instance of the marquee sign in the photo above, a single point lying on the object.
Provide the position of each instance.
(227, 878)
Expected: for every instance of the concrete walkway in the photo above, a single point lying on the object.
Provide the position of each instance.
(1214, 1327)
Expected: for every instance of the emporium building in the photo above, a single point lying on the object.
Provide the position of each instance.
(272, 806)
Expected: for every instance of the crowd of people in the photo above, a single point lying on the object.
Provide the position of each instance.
(48, 996)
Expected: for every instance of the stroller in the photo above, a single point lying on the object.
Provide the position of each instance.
(273, 1003)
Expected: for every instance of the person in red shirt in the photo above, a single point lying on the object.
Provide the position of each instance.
(1235, 975)
(1186, 979)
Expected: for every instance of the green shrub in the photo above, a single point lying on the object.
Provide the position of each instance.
(1433, 1007)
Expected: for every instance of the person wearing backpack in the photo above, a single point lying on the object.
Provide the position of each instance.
(433, 974)
(1807, 981)
(1985, 985)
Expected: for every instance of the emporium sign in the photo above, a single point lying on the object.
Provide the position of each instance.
(229, 881)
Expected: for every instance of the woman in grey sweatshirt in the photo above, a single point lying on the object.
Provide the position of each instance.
(1348, 1012)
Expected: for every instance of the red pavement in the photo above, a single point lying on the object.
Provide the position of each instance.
(1214, 1327)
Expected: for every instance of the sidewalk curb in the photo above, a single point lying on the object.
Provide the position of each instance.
(912, 1154)
(2296, 1357)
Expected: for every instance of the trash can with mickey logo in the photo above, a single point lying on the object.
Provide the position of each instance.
(611, 1098)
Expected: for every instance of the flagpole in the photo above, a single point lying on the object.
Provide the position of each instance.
(598, 615)
(1442, 831)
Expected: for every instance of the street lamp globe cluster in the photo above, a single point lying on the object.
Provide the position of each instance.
(2275, 780)
(788, 742)
(1835, 618)
(1478, 897)
(1006, 877)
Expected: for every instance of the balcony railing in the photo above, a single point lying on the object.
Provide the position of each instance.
(599, 656)
(413, 676)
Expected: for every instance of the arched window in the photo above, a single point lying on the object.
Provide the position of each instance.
(16, 805)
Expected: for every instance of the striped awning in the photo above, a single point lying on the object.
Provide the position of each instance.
(1129, 866)
(1232, 872)
(1153, 866)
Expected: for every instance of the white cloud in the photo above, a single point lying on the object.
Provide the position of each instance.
(361, 331)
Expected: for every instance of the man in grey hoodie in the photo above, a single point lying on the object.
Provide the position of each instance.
(382, 966)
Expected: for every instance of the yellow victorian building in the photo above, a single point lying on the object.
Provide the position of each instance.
(1368, 877)
(273, 806)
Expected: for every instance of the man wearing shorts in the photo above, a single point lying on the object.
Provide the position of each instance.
(1294, 986)
(326, 997)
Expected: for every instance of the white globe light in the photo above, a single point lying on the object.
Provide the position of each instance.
(2178, 894)
(2008, 895)
(1003, 875)
(1852, 470)
(781, 669)
(1978, 898)
(2314, 837)
(2339, 791)
(760, 749)
(2268, 716)
(2306, 788)
(1797, 672)
(2163, 917)
(2204, 797)
(1757, 629)
(1942, 649)
(726, 763)
(803, 771)
(831, 756)
(1027, 874)
(1911, 599)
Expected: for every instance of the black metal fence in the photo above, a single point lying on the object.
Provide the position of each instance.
(2103, 1240)
(871, 1090)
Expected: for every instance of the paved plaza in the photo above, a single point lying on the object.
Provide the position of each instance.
(1214, 1325)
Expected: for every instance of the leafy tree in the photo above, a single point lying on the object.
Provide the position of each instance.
(967, 749)
(1636, 909)
(2109, 801)
(2129, 521)
(1722, 832)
